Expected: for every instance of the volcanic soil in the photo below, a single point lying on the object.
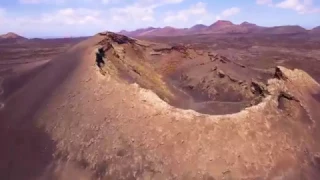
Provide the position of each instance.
(185, 109)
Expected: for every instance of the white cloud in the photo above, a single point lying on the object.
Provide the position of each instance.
(196, 10)
(2, 11)
(64, 2)
(139, 13)
(228, 13)
(300, 6)
(108, 1)
(2, 17)
(68, 20)
(71, 16)
(30, 1)
(132, 14)
(157, 3)
(105, 1)
(268, 2)
(41, 1)
(113, 17)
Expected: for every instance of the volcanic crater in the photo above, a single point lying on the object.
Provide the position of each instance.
(186, 78)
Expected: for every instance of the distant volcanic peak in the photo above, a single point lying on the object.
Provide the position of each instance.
(150, 28)
(222, 23)
(169, 27)
(290, 27)
(293, 27)
(123, 31)
(198, 27)
(315, 30)
(247, 24)
(11, 35)
(146, 29)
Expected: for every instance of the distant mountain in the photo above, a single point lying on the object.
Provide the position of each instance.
(219, 27)
(11, 38)
(227, 27)
(11, 35)
(315, 30)
(151, 31)
(251, 28)
(170, 31)
(247, 24)
(284, 30)
(124, 32)
(198, 27)
(221, 24)
(138, 32)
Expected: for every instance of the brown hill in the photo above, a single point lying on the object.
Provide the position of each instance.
(11, 38)
(11, 35)
(220, 24)
(284, 30)
(247, 24)
(315, 30)
(166, 31)
(226, 27)
(198, 27)
(233, 29)
(138, 32)
(124, 32)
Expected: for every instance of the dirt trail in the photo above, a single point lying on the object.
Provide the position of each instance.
(103, 128)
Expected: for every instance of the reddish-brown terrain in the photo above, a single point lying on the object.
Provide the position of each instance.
(198, 106)
(315, 30)
(11, 38)
(285, 30)
(220, 27)
(11, 35)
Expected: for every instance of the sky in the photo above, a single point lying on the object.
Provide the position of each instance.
(63, 18)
